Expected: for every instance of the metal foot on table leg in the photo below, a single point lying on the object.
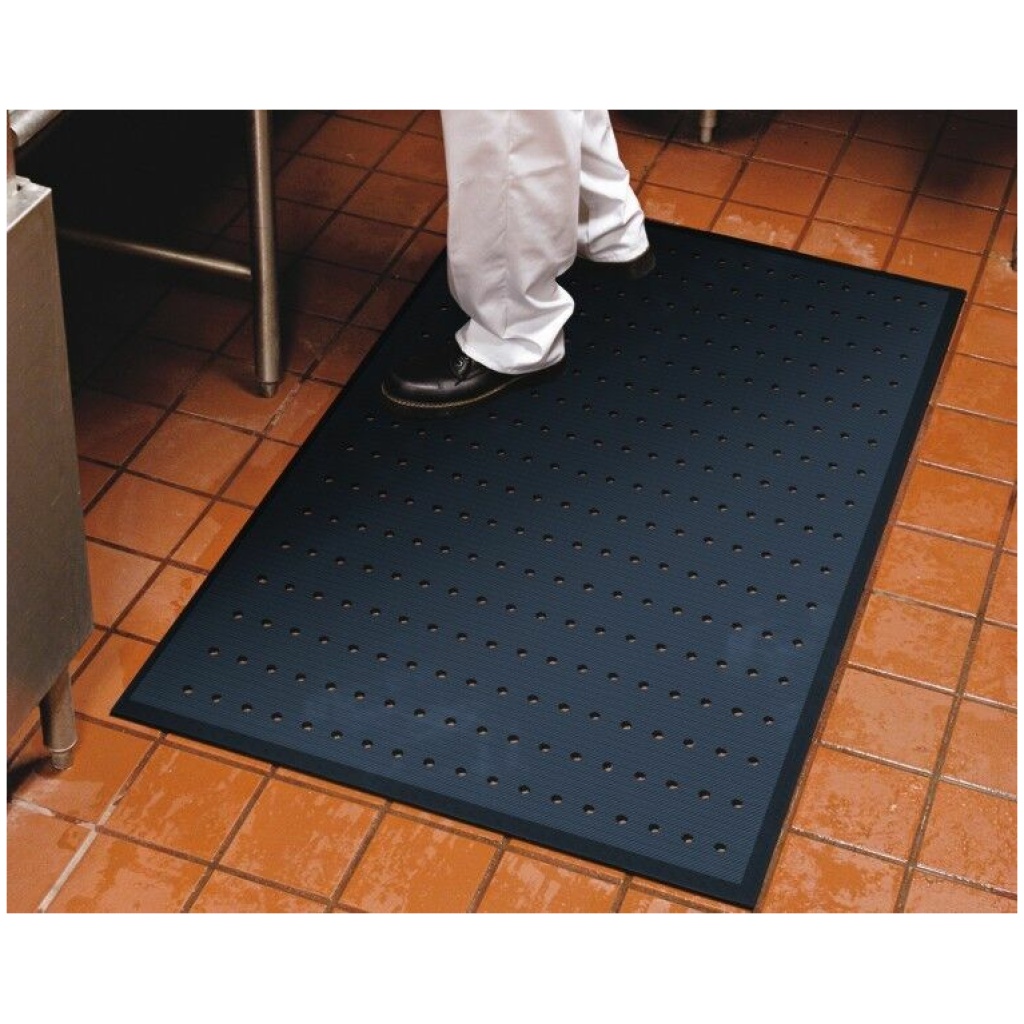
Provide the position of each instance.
(58, 717)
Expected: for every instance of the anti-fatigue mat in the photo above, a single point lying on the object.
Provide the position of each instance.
(600, 613)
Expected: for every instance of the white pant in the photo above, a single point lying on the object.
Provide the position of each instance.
(527, 190)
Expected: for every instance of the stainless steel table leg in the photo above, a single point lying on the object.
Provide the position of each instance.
(57, 712)
(264, 257)
(708, 120)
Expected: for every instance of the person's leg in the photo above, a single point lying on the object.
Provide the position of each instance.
(513, 197)
(611, 222)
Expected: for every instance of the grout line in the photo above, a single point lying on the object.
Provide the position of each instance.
(958, 697)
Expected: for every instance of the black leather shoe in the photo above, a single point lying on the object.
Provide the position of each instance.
(632, 270)
(442, 381)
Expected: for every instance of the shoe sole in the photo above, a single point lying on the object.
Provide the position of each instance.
(404, 405)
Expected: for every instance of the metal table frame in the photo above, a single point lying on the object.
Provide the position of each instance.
(261, 272)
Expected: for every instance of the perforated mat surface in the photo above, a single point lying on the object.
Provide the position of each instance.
(602, 613)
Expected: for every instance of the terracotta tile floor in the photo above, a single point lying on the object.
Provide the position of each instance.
(908, 802)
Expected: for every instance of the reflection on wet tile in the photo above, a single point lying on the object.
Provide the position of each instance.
(813, 877)
(861, 803)
(39, 848)
(300, 838)
(184, 802)
(527, 885)
(887, 718)
(410, 867)
(224, 893)
(118, 876)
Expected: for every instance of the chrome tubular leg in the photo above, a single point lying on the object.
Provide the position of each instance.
(264, 256)
(57, 713)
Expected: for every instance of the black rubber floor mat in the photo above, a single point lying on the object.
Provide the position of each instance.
(600, 614)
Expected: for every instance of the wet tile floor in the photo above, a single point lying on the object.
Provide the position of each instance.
(908, 800)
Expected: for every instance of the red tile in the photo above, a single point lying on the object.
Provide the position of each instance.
(881, 164)
(321, 183)
(983, 748)
(778, 188)
(226, 392)
(993, 671)
(673, 206)
(1002, 601)
(998, 284)
(212, 535)
(940, 222)
(383, 304)
(370, 245)
(931, 894)
(396, 200)
(638, 154)
(303, 410)
(973, 836)
(343, 358)
(350, 141)
(326, 289)
(92, 478)
(756, 225)
(304, 339)
(638, 901)
(862, 205)
(162, 602)
(887, 718)
(989, 334)
(829, 120)
(415, 120)
(416, 156)
(970, 443)
(861, 803)
(108, 429)
(296, 224)
(955, 504)
(695, 169)
(104, 760)
(410, 867)
(149, 370)
(915, 128)
(259, 473)
(225, 893)
(813, 877)
(115, 579)
(418, 256)
(39, 848)
(184, 802)
(197, 318)
(193, 453)
(800, 145)
(120, 877)
(144, 515)
(300, 837)
(935, 569)
(966, 181)
(102, 681)
(937, 264)
(847, 245)
(525, 884)
(965, 137)
(912, 641)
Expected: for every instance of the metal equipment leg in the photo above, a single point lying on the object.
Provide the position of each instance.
(264, 258)
(57, 713)
(708, 120)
